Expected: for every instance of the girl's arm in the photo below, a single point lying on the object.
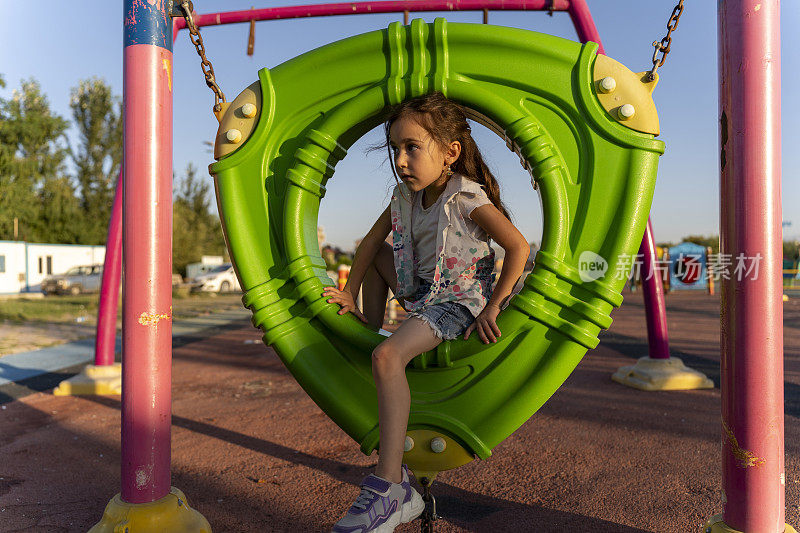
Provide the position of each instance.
(365, 255)
(517, 250)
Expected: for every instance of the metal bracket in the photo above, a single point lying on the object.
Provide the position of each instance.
(429, 515)
(175, 9)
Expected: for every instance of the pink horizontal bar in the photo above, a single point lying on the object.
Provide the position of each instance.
(364, 8)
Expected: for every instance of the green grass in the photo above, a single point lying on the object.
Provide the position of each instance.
(68, 308)
(50, 309)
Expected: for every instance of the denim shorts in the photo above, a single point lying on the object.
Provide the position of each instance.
(448, 320)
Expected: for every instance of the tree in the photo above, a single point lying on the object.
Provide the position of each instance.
(791, 250)
(31, 158)
(60, 215)
(711, 240)
(195, 230)
(97, 115)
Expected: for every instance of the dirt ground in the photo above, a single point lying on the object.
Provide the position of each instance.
(253, 453)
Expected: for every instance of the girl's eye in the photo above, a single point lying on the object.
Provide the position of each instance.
(412, 147)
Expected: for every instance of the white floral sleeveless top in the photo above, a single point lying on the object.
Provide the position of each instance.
(465, 261)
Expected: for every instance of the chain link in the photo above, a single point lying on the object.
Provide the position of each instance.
(429, 515)
(208, 69)
(664, 45)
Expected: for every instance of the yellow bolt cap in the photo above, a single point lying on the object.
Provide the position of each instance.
(438, 445)
(608, 84)
(249, 110)
(626, 111)
(233, 135)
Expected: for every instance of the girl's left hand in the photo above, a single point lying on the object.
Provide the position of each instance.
(485, 324)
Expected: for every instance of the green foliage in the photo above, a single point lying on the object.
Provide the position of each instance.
(97, 116)
(35, 189)
(31, 160)
(195, 230)
(60, 215)
(791, 250)
(711, 240)
(52, 206)
(329, 255)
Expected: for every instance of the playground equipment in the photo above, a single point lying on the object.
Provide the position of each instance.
(538, 92)
(104, 376)
(754, 495)
(688, 267)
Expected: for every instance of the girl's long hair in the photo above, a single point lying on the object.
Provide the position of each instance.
(445, 121)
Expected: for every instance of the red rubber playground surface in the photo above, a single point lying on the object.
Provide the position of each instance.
(253, 453)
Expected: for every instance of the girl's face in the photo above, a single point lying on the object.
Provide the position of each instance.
(419, 161)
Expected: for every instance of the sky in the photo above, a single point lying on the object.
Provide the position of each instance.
(59, 45)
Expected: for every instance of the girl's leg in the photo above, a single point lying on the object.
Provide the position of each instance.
(389, 362)
(379, 278)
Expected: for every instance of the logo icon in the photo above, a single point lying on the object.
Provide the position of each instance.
(591, 266)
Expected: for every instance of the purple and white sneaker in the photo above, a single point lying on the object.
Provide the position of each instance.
(381, 506)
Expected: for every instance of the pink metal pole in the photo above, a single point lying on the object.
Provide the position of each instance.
(584, 23)
(653, 292)
(105, 341)
(652, 287)
(362, 8)
(750, 219)
(106, 336)
(147, 241)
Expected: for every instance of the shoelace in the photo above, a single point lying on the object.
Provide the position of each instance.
(364, 499)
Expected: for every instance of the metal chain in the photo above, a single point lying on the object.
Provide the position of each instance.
(429, 515)
(666, 42)
(208, 70)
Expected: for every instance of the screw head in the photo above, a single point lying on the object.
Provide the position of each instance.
(607, 84)
(438, 445)
(409, 445)
(233, 135)
(249, 110)
(626, 111)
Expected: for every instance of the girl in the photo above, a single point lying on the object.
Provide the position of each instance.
(442, 214)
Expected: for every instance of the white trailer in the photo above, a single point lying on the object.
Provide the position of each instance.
(24, 265)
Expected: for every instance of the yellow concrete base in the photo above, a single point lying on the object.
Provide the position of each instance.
(93, 380)
(170, 514)
(716, 525)
(661, 374)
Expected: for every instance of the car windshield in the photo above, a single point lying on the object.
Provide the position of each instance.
(74, 271)
(220, 268)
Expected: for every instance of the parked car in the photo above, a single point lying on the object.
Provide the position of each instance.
(76, 280)
(220, 279)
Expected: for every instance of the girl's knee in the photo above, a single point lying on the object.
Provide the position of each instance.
(385, 359)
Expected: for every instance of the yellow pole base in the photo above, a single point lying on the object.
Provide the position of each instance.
(170, 514)
(716, 525)
(661, 374)
(785, 297)
(93, 380)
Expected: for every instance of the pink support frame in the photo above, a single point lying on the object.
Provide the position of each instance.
(752, 372)
(753, 474)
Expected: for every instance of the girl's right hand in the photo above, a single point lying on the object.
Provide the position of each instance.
(345, 300)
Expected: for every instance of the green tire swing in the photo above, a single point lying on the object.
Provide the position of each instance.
(582, 124)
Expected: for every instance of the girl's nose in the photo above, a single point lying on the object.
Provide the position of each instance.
(400, 160)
